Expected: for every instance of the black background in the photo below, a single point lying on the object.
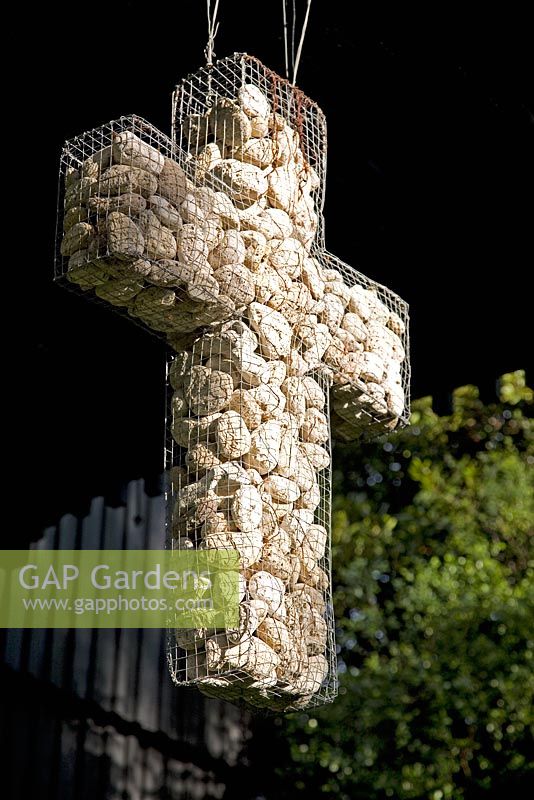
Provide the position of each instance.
(430, 181)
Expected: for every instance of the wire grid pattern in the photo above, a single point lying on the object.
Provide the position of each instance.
(217, 243)
(356, 413)
(117, 235)
(151, 255)
(353, 416)
(198, 92)
(225, 460)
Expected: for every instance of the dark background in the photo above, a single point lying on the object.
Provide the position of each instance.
(429, 191)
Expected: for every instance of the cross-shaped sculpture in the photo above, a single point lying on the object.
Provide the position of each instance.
(215, 240)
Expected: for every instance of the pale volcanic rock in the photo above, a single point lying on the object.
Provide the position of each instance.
(372, 367)
(332, 311)
(256, 249)
(236, 282)
(230, 250)
(315, 427)
(274, 332)
(270, 399)
(283, 188)
(172, 182)
(243, 181)
(228, 123)
(255, 151)
(265, 447)
(208, 391)
(243, 402)
(269, 588)
(281, 489)
(130, 149)
(353, 324)
(167, 214)
(120, 178)
(159, 240)
(225, 211)
(253, 101)
(191, 245)
(77, 238)
(287, 255)
(232, 435)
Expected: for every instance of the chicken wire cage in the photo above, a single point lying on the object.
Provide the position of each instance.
(372, 398)
(248, 452)
(241, 122)
(133, 231)
(181, 236)
(214, 240)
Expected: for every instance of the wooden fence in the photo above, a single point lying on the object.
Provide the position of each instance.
(93, 713)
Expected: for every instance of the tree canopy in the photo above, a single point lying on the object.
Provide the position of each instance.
(433, 565)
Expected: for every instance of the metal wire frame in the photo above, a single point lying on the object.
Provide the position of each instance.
(355, 413)
(79, 149)
(188, 666)
(372, 424)
(196, 100)
(196, 95)
(95, 146)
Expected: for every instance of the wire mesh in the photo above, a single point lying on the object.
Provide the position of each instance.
(132, 234)
(249, 459)
(249, 409)
(238, 117)
(181, 236)
(214, 239)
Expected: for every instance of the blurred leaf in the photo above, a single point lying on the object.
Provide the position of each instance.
(434, 601)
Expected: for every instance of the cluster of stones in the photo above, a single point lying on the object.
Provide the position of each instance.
(218, 253)
(254, 475)
(183, 253)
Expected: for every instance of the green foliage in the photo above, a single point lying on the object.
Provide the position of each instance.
(433, 571)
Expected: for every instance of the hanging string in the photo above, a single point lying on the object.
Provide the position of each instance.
(295, 59)
(286, 53)
(296, 62)
(213, 27)
(293, 28)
